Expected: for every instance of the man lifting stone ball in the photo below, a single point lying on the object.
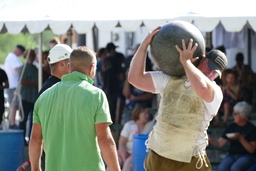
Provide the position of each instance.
(188, 103)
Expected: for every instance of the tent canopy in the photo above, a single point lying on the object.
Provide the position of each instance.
(35, 16)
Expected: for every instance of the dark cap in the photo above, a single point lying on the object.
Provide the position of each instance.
(21, 48)
(111, 46)
(217, 61)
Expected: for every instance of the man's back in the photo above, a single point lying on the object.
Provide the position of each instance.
(68, 125)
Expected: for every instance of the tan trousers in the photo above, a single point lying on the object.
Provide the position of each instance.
(155, 162)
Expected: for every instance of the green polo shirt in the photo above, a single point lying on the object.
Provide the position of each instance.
(68, 112)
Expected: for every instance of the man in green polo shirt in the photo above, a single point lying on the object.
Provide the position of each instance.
(72, 119)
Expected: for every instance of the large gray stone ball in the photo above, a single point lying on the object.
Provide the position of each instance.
(163, 51)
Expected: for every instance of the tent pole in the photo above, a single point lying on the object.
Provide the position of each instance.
(95, 38)
(40, 62)
(208, 38)
(249, 48)
(69, 34)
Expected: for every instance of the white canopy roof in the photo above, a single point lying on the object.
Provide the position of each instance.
(60, 15)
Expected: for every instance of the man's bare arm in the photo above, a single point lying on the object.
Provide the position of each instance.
(202, 85)
(107, 146)
(35, 147)
(137, 75)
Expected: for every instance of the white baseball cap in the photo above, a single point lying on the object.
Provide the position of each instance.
(58, 53)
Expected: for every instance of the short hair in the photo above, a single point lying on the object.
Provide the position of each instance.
(244, 108)
(22, 48)
(52, 66)
(137, 110)
(229, 71)
(82, 56)
(31, 53)
(101, 51)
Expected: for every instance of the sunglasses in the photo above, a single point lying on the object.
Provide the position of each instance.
(236, 113)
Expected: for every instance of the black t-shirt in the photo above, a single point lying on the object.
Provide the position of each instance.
(48, 83)
(249, 133)
(3, 78)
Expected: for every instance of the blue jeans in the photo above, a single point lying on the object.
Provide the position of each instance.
(253, 168)
(237, 162)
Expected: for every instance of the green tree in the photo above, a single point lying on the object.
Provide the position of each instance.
(9, 41)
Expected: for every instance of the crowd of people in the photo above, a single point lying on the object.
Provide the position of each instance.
(111, 77)
(237, 84)
(22, 84)
(84, 92)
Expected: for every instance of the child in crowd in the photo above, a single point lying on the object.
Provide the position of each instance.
(231, 95)
(139, 124)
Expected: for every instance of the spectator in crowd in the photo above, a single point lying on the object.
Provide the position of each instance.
(231, 95)
(28, 74)
(241, 136)
(12, 65)
(45, 66)
(58, 61)
(113, 79)
(101, 54)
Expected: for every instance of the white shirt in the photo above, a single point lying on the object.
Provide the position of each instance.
(130, 129)
(11, 62)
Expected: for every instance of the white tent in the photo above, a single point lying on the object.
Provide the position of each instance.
(59, 15)
(35, 16)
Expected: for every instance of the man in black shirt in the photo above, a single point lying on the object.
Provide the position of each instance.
(58, 59)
